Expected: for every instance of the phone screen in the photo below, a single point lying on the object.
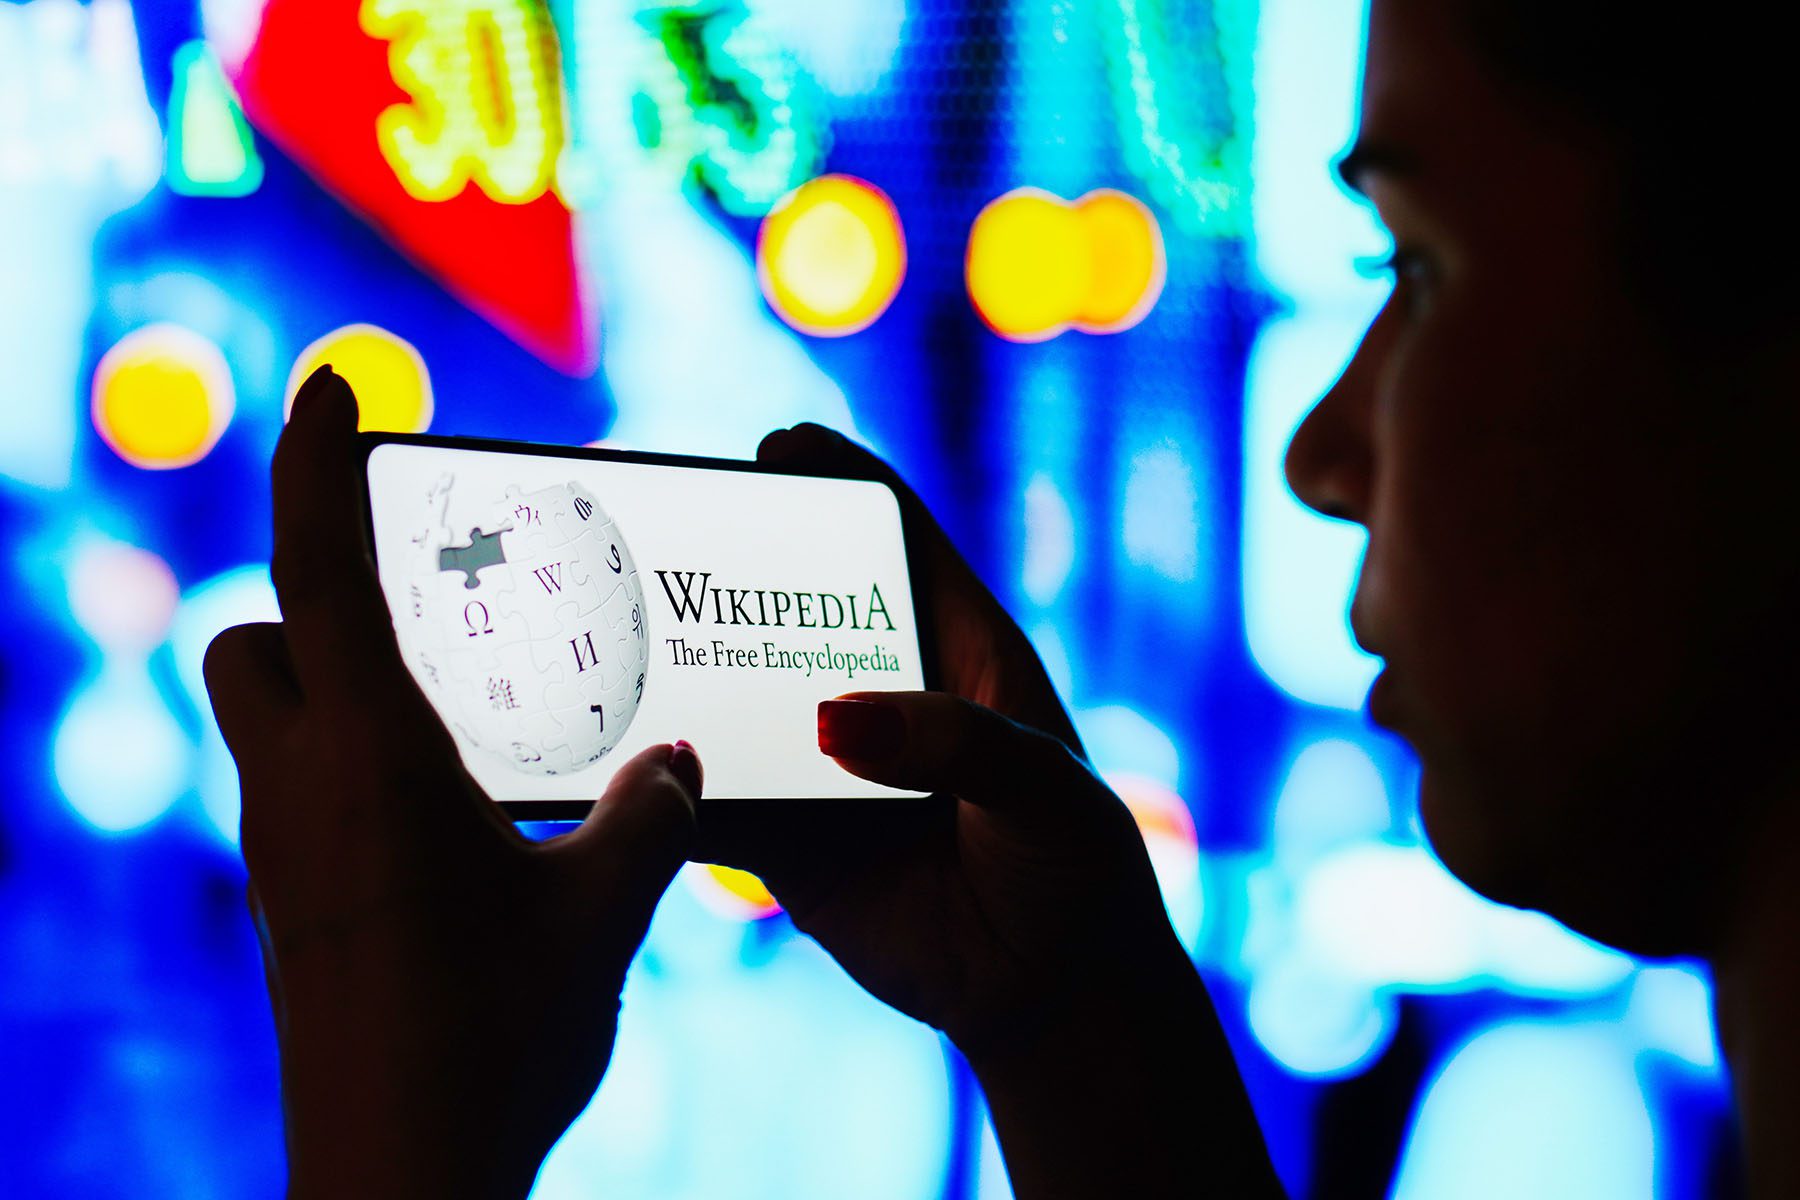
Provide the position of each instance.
(563, 612)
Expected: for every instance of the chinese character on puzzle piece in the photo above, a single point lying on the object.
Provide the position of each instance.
(500, 694)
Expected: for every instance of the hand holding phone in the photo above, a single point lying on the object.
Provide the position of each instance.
(1018, 913)
(444, 991)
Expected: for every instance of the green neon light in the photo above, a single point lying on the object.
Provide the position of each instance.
(211, 150)
(1184, 105)
(725, 99)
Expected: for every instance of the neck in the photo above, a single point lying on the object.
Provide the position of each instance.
(1758, 998)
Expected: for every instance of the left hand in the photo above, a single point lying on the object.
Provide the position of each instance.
(446, 992)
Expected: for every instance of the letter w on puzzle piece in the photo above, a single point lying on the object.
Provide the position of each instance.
(550, 593)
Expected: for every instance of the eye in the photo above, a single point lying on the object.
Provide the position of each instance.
(1414, 274)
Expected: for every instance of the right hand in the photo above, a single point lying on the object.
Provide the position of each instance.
(1016, 910)
(983, 655)
(979, 914)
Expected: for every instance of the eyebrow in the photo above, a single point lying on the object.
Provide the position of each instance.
(1363, 159)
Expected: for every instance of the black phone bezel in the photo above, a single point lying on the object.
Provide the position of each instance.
(918, 569)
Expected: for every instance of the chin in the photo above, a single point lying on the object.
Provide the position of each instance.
(1473, 845)
(1586, 859)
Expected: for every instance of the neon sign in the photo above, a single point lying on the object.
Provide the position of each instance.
(440, 125)
(485, 99)
(725, 100)
(1185, 125)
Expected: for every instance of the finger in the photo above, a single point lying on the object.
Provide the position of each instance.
(814, 448)
(962, 602)
(624, 854)
(936, 742)
(251, 684)
(265, 944)
(813, 840)
(339, 631)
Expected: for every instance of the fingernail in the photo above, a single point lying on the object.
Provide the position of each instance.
(862, 729)
(684, 764)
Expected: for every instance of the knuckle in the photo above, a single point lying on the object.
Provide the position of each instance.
(1050, 754)
(223, 654)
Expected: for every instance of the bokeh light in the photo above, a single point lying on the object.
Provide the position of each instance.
(235, 597)
(1125, 246)
(121, 596)
(168, 172)
(1168, 829)
(830, 255)
(119, 757)
(1533, 1108)
(387, 373)
(162, 396)
(1028, 269)
(1039, 265)
(730, 893)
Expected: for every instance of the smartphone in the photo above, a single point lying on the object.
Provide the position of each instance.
(564, 607)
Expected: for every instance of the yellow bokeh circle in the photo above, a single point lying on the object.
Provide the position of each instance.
(1125, 247)
(733, 894)
(162, 397)
(388, 375)
(830, 255)
(1028, 269)
(1038, 265)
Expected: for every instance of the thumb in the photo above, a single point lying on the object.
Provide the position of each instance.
(624, 854)
(937, 742)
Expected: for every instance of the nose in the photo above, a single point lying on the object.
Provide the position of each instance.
(1330, 462)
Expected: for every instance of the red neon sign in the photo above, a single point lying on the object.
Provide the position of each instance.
(439, 122)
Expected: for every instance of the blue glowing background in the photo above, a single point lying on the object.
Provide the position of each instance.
(1121, 492)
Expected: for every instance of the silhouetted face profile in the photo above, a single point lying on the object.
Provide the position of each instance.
(1576, 571)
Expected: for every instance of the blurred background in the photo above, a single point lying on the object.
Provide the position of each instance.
(1076, 266)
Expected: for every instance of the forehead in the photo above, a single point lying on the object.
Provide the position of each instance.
(1465, 134)
(1423, 87)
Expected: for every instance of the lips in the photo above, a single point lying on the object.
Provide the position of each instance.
(1383, 700)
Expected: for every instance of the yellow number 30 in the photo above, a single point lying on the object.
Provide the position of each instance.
(486, 102)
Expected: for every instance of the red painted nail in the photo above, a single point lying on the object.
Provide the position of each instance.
(684, 764)
(868, 730)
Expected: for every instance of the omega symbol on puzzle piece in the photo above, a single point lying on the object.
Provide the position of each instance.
(528, 630)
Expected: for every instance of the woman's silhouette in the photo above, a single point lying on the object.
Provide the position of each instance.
(1571, 454)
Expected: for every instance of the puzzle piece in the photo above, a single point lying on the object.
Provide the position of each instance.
(545, 592)
(436, 533)
(577, 512)
(596, 558)
(542, 746)
(585, 725)
(466, 671)
(587, 652)
(533, 518)
(483, 550)
(530, 637)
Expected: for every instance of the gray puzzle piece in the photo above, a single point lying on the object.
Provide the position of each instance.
(483, 550)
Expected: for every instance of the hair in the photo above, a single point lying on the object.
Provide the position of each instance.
(1694, 103)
